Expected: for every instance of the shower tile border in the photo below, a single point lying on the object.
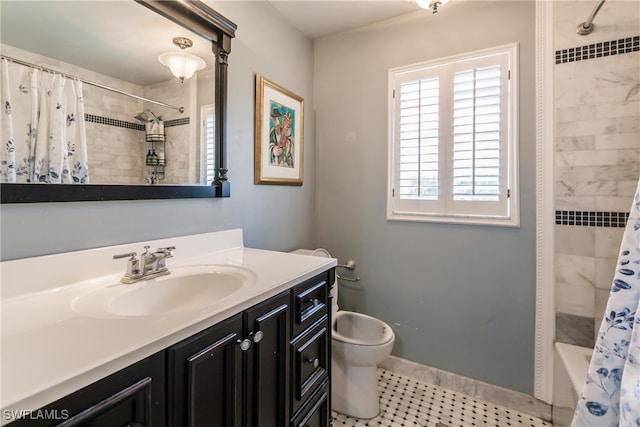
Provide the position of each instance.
(592, 218)
(598, 50)
(93, 118)
(177, 122)
(515, 400)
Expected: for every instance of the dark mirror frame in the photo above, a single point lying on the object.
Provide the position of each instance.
(196, 16)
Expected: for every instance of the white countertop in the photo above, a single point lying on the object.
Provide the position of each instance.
(49, 350)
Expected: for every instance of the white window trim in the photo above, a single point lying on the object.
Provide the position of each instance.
(513, 219)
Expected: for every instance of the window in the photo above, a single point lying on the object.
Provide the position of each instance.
(453, 139)
(208, 137)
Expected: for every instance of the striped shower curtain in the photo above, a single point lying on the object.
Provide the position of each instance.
(42, 128)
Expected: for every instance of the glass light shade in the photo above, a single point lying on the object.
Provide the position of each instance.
(181, 64)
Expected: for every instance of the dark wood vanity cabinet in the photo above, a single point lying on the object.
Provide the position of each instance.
(203, 374)
(133, 396)
(267, 363)
(235, 373)
(310, 397)
(268, 366)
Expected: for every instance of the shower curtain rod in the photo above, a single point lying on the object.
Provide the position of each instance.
(49, 70)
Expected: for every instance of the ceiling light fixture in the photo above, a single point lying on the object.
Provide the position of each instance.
(182, 64)
(433, 5)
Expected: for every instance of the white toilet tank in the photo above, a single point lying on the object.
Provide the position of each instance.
(321, 252)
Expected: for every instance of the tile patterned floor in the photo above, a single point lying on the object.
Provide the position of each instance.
(406, 402)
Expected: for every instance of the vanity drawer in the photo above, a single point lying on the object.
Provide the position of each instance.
(317, 411)
(310, 361)
(310, 301)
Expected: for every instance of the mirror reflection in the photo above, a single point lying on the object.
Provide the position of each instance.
(93, 104)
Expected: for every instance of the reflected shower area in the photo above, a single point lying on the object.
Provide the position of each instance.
(120, 115)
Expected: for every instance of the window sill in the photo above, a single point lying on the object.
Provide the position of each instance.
(513, 221)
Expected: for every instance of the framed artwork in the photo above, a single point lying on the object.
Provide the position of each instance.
(279, 134)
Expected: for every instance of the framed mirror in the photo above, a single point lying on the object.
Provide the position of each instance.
(147, 133)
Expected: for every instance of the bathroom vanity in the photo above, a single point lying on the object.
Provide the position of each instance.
(81, 348)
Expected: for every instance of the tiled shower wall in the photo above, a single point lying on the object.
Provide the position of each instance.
(180, 144)
(116, 140)
(597, 156)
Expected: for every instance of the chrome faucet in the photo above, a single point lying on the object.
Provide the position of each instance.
(150, 264)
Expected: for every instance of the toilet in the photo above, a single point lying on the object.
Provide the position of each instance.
(358, 344)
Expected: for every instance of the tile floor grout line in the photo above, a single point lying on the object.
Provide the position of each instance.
(407, 402)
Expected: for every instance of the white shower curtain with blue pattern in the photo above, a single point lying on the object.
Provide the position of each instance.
(611, 393)
(42, 128)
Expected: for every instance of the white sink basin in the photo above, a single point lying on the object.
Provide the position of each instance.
(190, 288)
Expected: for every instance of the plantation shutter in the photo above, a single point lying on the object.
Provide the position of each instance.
(418, 175)
(479, 137)
(209, 138)
(452, 150)
(419, 162)
(476, 134)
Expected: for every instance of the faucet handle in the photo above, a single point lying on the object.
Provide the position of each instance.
(130, 255)
(168, 251)
(133, 266)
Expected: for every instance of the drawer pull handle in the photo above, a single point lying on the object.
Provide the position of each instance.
(315, 362)
(257, 336)
(315, 301)
(245, 344)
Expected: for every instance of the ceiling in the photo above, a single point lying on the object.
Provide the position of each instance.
(317, 18)
(125, 38)
(121, 39)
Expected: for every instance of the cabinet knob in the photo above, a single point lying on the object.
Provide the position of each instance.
(315, 301)
(315, 362)
(244, 344)
(257, 336)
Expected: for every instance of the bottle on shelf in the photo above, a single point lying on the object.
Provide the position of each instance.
(154, 158)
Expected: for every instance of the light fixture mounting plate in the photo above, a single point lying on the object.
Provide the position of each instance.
(182, 42)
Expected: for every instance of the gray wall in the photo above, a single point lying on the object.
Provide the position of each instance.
(460, 298)
(272, 217)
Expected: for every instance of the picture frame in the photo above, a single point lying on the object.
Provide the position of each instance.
(279, 134)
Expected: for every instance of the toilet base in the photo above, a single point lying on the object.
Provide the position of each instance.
(354, 390)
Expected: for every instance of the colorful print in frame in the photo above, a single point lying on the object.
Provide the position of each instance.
(279, 134)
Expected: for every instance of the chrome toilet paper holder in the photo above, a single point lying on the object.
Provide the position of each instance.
(349, 265)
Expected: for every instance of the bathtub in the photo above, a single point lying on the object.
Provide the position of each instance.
(570, 370)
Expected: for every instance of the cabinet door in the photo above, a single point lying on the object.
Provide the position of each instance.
(133, 396)
(204, 382)
(268, 363)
